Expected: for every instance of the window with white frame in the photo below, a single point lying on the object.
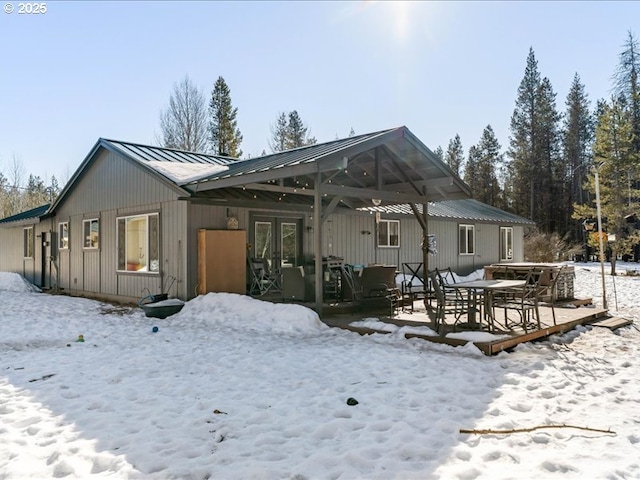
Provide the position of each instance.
(91, 232)
(138, 243)
(506, 243)
(27, 234)
(466, 239)
(63, 235)
(389, 233)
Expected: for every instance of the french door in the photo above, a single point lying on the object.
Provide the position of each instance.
(277, 239)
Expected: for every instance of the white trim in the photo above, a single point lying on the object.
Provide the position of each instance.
(85, 239)
(503, 242)
(31, 243)
(146, 269)
(388, 239)
(467, 228)
(60, 247)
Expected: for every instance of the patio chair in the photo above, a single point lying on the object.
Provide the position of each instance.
(414, 286)
(523, 300)
(445, 278)
(379, 290)
(546, 291)
(454, 304)
(262, 279)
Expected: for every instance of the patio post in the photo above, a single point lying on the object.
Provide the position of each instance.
(317, 242)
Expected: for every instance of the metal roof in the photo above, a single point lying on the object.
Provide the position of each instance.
(147, 153)
(466, 209)
(30, 216)
(392, 165)
(296, 156)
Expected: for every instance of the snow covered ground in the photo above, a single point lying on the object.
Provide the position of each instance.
(237, 388)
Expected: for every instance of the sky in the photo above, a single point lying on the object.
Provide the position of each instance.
(234, 387)
(89, 69)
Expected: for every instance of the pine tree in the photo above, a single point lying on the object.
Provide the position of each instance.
(471, 171)
(488, 157)
(551, 171)
(455, 154)
(627, 84)
(618, 177)
(289, 132)
(224, 133)
(536, 189)
(439, 153)
(36, 194)
(278, 141)
(298, 135)
(577, 150)
(5, 202)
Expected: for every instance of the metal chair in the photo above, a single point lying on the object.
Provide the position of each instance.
(546, 289)
(454, 304)
(522, 300)
(262, 279)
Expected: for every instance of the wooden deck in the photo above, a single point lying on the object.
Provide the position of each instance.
(567, 318)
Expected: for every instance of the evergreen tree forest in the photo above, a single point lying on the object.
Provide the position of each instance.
(547, 172)
(18, 195)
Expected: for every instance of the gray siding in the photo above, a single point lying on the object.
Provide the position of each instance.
(12, 257)
(110, 188)
(343, 237)
(113, 186)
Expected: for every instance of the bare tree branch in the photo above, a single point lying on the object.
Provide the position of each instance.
(184, 122)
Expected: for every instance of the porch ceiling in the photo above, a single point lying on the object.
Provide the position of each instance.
(393, 166)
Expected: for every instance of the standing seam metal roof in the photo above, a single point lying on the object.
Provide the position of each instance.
(467, 209)
(146, 153)
(292, 157)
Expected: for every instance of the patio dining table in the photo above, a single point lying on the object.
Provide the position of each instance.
(483, 288)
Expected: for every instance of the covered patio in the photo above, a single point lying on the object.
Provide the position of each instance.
(389, 167)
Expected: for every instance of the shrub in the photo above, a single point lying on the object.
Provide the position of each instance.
(548, 247)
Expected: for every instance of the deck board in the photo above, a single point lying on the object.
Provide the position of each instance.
(567, 318)
(612, 323)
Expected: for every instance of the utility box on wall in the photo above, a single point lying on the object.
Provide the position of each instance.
(222, 261)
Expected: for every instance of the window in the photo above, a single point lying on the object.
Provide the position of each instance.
(63, 235)
(91, 229)
(28, 242)
(138, 243)
(466, 239)
(288, 244)
(506, 243)
(389, 233)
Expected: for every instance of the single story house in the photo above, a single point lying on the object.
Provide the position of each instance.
(135, 219)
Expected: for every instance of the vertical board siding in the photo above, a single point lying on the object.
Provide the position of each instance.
(343, 237)
(113, 187)
(173, 251)
(12, 259)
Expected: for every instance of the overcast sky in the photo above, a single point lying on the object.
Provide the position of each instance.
(85, 70)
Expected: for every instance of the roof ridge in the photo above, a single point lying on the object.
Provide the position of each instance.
(170, 149)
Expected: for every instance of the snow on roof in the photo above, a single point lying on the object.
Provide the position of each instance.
(182, 173)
